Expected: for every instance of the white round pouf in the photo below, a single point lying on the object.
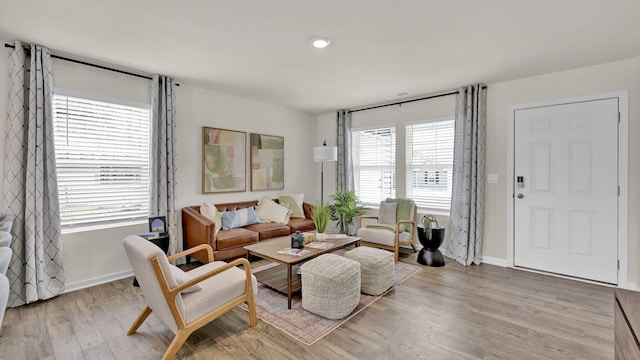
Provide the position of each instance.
(376, 268)
(330, 286)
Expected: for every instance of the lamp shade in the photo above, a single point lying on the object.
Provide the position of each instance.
(325, 153)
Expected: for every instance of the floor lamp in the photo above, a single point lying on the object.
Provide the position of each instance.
(321, 154)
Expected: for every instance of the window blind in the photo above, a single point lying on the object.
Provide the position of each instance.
(430, 163)
(102, 161)
(374, 159)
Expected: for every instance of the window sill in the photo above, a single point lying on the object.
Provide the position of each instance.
(89, 228)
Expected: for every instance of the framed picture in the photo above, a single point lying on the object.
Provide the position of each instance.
(158, 224)
(223, 160)
(267, 162)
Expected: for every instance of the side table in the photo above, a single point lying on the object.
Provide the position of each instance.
(163, 243)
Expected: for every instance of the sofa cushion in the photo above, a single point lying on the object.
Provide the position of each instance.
(270, 211)
(301, 225)
(209, 211)
(269, 230)
(294, 203)
(239, 218)
(235, 237)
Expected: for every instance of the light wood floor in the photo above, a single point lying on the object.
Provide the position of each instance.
(452, 312)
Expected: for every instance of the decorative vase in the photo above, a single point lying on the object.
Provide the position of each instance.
(320, 237)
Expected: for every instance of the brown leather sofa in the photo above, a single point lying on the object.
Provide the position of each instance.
(228, 244)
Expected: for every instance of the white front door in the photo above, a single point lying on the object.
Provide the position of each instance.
(566, 189)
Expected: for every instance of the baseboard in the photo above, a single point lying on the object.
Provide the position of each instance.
(494, 261)
(83, 284)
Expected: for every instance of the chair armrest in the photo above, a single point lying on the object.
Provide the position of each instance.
(197, 229)
(202, 247)
(200, 278)
(400, 222)
(365, 217)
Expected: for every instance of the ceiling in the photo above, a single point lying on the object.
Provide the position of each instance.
(260, 49)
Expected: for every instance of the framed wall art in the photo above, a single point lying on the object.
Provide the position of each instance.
(267, 162)
(223, 160)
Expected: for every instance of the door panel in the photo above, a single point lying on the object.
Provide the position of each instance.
(565, 207)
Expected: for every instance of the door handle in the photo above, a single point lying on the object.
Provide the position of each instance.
(520, 196)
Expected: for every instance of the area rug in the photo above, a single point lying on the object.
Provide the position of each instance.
(271, 307)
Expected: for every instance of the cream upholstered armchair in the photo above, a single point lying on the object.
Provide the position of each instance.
(395, 225)
(186, 301)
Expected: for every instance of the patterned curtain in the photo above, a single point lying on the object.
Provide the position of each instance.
(466, 222)
(31, 186)
(344, 167)
(163, 156)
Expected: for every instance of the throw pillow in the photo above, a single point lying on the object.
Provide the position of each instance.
(294, 203)
(387, 213)
(405, 210)
(182, 277)
(211, 212)
(239, 218)
(270, 211)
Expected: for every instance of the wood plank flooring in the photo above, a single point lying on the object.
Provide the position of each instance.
(452, 312)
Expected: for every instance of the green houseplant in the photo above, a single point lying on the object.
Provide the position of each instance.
(345, 209)
(320, 214)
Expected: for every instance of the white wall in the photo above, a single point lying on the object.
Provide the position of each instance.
(96, 256)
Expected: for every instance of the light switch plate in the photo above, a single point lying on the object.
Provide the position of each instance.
(492, 178)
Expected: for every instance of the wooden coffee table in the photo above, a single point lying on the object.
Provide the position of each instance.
(268, 249)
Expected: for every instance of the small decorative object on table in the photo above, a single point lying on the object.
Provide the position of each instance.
(431, 236)
(297, 240)
(158, 225)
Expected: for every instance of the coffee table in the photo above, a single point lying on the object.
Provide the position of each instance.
(268, 249)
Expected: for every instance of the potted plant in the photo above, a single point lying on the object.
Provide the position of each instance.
(320, 214)
(345, 209)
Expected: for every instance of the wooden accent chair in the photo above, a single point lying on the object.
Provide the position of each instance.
(204, 294)
(392, 228)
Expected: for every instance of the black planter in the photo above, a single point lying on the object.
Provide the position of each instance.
(431, 239)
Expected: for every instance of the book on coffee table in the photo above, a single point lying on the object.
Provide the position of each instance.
(319, 245)
(294, 252)
(335, 236)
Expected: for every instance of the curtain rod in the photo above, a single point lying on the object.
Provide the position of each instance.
(90, 64)
(452, 92)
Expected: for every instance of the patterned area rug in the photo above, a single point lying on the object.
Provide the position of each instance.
(271, 307)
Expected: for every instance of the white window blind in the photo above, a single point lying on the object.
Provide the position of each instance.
(430, 163)
(102, 160)
(374, 159)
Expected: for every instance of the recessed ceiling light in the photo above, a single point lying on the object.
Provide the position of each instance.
(320, 42)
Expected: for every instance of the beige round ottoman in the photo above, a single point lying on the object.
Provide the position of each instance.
(330, 286)
(376, 268)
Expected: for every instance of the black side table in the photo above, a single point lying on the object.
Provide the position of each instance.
(163, 243)
(431, 239)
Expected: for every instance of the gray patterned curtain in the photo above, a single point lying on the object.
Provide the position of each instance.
(344, 167)
(466, 221)
(163, 156)
(31, 185)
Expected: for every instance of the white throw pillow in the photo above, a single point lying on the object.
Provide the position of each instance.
(211, 212)
(294, 203)
(270, 211)
(387, 213)
(182, 277)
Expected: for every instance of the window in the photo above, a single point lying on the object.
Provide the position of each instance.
(102, 160)
(430, 163)
(374, 161)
